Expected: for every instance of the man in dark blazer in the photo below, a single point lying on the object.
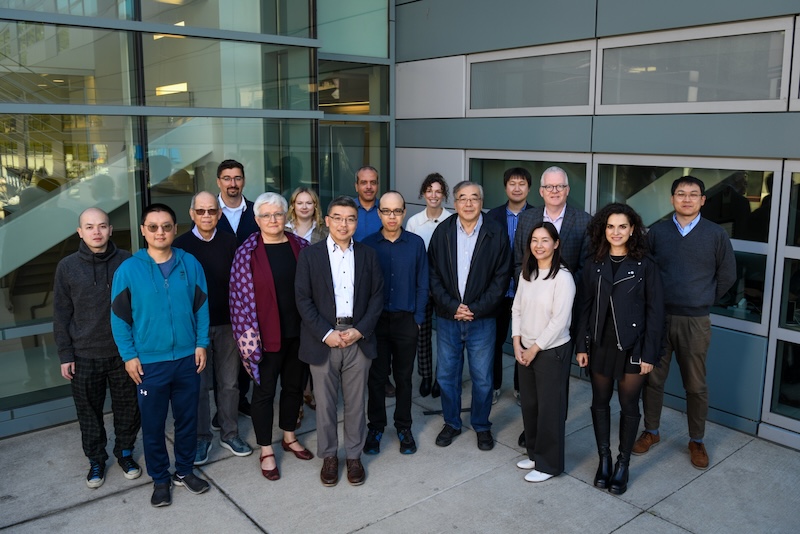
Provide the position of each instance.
(339, 294)
(517, 182)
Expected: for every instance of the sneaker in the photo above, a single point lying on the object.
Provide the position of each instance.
(161, 494)
(97, 474)
(373, 443)
(191, 482)
(237, 446)
(495, 396)
(645, 441)
(407, 443)
(130, 469)
(537, 476)
(201, 456)
(527, 463)
(485, 440)
(445, 437)
(215, 423)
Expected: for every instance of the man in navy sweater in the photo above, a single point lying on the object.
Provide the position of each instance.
(215, 251)
(697, 267)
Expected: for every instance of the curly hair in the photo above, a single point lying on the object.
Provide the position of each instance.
(599, 245)
(434, 178)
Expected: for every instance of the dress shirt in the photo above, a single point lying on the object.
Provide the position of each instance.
(197, 234)
(234, 215)
(466, 246)
(368, 221)
(343, 272)
(511, 225)
(421, 225)
(558, 220)
(688, 228)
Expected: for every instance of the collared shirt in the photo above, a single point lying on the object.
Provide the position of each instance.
(289, 226)
(197, 234)
(558, 220)
(343, 272)
(688, 228)
(368, 221)
(405, 272)
(234, 215)
(466, 247)
(511, 225)
(423, 226)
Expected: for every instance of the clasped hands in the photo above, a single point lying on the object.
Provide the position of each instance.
(463, 313)
(339, 339)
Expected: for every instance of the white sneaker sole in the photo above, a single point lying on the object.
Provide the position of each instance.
(240, 454)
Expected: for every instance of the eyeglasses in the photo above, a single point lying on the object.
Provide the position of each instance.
(557, 188)
(201, 211)
(229, 179)
(386, 212)
(273, 216)
(153, 228)
(338, 219)
(468, 200)
(682, 195)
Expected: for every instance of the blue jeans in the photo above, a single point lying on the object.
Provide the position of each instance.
(452, 337)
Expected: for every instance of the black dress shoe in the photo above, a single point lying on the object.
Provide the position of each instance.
(485, 440)
(521, 440)
(425, 387)
(446, 436)
(436, 390)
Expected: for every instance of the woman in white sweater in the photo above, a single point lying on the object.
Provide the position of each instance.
(540, 320)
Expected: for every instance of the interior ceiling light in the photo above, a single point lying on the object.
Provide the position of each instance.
(158, 36)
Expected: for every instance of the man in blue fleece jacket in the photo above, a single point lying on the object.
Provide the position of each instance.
(159, 318)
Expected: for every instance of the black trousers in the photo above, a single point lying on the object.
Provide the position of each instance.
(293, 373)
(92, 377)
(397, 345)
(543, 395)
(502, 322)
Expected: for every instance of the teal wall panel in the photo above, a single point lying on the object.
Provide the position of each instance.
(545, 134)
(759, 135)
(436, 28)
(617, 17)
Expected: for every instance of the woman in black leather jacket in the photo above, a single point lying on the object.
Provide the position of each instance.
(620, 330)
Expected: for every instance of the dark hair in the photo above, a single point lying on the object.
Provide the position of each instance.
(530, 264)
(154, 208)
(434, 178)
(229, 164)
(398, 193)
(599, 245)
(689, 180)
(519, 172)
(343, 201)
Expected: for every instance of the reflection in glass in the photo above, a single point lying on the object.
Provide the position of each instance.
(553, 80)
(745, 299)
(793, 233)
(110, 9)
(786, 382)
(489, 173)
(45, 64)
(738, 200)
(719, 69)
(353, 88)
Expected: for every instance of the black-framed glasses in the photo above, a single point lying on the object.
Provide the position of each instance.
(557, 188)
(201, 211)
(396, 212)
(229, 179)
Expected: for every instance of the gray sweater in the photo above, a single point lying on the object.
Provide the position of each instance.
(82, 303)
(696, 270)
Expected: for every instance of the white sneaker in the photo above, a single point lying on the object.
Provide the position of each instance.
(526, 464)
(495, 396)
(537, 476)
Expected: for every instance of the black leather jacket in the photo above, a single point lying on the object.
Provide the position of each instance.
(635, 300)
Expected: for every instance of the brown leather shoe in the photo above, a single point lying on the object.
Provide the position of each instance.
(698, 455)
(645, 441)
(329, 475)
(355, 472)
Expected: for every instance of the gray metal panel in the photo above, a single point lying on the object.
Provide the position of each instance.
(543, 134)
(617, 17)
(760, 135)
(437, 28)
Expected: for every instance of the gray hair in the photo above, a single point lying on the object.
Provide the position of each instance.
(466, 183)
(215, 197)
(555, 169)
(269, 198)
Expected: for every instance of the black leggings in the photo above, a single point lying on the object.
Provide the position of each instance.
(629, 389)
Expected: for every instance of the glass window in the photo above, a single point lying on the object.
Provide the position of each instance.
(738, 200)
(717, 69)
(52, 167)
(489, 173)
(540, 81)
(353, 88)
(112, 9)
(354, 27)
(191, 72)
(786, 385)
(45, 64)
(274, 17)
(793, 233)
(745, 299)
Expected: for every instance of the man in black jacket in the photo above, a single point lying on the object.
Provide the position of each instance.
(470, 264)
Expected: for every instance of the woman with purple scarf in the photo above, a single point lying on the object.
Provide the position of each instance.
(266, 325)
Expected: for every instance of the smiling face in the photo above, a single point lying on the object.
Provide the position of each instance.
(543, 246)
(469, 204)
(231, 183)
(205, 202)
(159, 230)
(554, 200)
(271, 219)
(434, 195)
(304, 207)
(341, 222)
(366, 186)
(688, 200)
(618, 231)
(95, 230)
(517, 189)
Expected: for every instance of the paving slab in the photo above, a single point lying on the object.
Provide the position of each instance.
(647, 522)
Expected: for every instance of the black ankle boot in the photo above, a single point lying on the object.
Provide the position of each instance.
(601, 420)
(628, 426)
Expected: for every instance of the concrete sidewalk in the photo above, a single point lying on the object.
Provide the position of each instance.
(751, 485)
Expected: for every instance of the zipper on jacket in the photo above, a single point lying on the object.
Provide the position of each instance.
(614, 319)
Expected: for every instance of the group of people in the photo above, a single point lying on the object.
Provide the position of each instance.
(266, 288)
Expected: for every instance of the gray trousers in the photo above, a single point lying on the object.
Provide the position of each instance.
(350, 368)
(223, 364)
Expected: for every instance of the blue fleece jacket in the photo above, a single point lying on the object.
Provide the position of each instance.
(159, 319)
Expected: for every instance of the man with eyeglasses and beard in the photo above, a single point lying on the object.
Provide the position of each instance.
(215, 251)
(159, 319)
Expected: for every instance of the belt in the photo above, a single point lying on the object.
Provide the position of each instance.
(340, 321)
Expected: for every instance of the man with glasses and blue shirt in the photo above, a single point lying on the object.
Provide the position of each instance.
(470, 262)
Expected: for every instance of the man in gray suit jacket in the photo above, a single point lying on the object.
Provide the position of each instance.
(339, 294)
